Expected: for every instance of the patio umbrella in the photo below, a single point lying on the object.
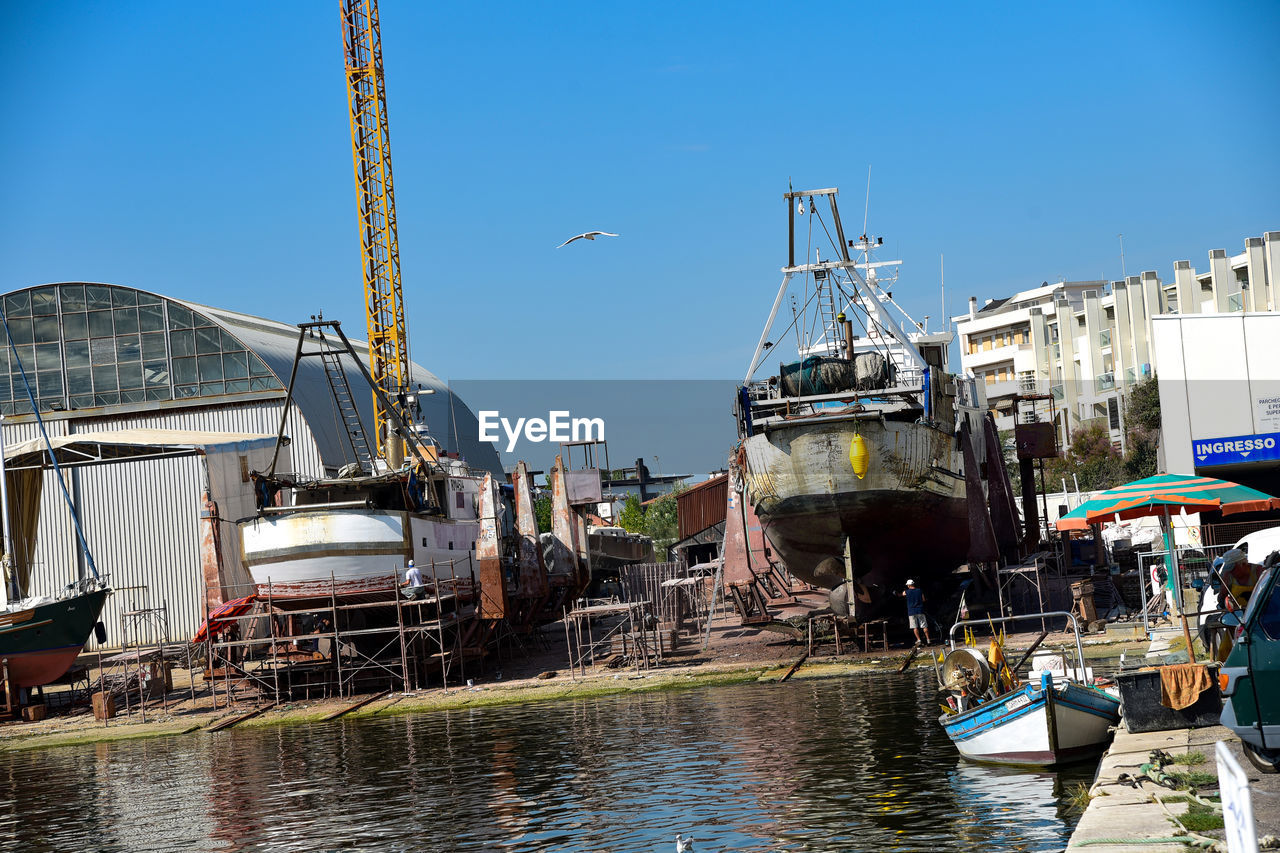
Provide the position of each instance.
(222, 617)
(1156, 496)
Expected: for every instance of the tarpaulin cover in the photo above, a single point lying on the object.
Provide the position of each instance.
(223, 617)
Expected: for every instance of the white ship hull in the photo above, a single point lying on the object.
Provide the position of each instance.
(1016, 728)
(317, 552)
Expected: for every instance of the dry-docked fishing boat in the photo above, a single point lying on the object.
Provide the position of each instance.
(853, 457)
(353, 535)
(1053, 718)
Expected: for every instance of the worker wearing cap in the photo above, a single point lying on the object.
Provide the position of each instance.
(412, 577)
(915, 612)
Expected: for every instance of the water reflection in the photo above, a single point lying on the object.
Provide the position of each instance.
(855, 764)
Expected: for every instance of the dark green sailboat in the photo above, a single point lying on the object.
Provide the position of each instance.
(40, 637)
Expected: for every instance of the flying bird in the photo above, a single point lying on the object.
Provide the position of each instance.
(590, 235)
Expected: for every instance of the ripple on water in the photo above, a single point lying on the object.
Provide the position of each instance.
(850, 764)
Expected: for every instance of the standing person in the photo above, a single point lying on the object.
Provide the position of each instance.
(915, 612)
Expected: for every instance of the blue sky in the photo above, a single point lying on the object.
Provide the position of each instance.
(201, 150)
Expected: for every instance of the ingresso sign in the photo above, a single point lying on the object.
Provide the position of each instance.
(1235, 449)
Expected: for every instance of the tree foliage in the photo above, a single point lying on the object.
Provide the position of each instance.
(1090, 462)
(657, 520)
(1095, 464)
(631, 517)
(542, 512)
(1142, 430)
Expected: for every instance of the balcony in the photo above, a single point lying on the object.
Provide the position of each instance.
(1235, 302)
(1056, 391)
(1002, 388)
(1057, 350)
(1104, 382)
(1104, 338)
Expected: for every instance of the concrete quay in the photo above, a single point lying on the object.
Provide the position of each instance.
(1128, 816)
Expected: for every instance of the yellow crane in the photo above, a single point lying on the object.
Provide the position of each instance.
(379, 242)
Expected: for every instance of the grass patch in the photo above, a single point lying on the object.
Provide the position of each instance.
(1193, 778)
(1191, 758)
(1200, 818)
(1077, 797)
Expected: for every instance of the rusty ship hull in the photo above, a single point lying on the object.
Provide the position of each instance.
(906, 517)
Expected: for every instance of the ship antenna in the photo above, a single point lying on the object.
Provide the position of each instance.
(867, 208)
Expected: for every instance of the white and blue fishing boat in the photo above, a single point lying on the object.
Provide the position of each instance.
(1053, 718)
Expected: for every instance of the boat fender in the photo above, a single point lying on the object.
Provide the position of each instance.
(859, 457)
(100, 632)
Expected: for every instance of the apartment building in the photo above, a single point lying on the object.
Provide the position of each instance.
(1079, 345)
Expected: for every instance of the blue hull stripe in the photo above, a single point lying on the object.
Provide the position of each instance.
(1080, 700)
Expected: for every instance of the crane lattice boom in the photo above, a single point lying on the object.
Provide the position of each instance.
(380, 245)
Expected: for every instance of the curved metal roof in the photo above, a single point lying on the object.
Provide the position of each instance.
(100, 323)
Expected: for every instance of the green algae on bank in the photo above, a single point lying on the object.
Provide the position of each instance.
(85, 730)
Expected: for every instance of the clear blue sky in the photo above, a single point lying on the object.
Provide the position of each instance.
(201, 150)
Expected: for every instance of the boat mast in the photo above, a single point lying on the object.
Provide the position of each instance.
(53, 456)
(6, 559)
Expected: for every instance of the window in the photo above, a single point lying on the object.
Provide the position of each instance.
(1269, 618)
(87, 345)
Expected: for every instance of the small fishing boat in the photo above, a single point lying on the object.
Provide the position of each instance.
(991, 716)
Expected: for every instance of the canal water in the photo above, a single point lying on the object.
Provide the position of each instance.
(843, 764)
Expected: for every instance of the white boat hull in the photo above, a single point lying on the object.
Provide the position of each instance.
(1016, 728)
(343, 552)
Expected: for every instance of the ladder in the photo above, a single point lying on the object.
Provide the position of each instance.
(345, 405)
(832, 333)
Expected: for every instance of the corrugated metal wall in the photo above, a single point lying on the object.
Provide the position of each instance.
(702, 506)
(142, 519)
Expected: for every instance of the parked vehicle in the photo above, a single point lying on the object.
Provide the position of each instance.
(1250, 678)
(1260, 544)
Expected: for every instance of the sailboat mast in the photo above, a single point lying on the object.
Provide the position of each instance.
(6, 559)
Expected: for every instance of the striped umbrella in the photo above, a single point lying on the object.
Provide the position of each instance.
(1158, 495)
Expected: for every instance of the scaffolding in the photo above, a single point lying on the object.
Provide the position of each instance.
(142, 670)
(334, 644)
(632, 638)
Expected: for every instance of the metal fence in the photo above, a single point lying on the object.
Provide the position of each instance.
(1191, 566)
(677, 592)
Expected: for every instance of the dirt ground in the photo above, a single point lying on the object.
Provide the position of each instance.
(538, 671)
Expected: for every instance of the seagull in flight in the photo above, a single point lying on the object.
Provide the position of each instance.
(590, 235)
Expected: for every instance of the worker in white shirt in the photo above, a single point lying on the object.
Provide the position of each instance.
(412, 577)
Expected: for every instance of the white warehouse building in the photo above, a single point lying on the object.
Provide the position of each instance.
(122, 363)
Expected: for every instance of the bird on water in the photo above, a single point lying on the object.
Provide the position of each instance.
(683, 845)
(590, 235)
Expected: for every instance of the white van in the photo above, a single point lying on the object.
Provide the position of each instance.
(1260, 544)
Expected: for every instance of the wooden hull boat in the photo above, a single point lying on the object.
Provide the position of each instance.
(1040, 725)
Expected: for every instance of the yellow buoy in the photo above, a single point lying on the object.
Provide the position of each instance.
(859, 458)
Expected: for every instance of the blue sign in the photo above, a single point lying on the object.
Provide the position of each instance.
(1236, 449)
